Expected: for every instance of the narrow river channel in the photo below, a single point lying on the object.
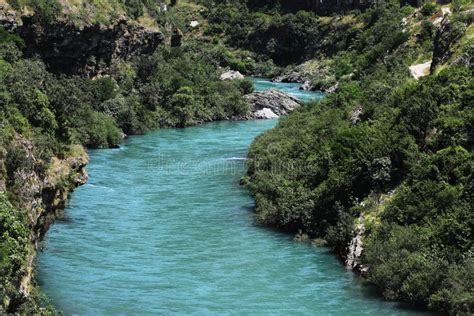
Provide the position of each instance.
(163, 227)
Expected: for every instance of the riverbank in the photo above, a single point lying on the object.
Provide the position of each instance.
(41, 195)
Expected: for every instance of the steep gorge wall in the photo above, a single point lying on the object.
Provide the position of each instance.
(70, 49)
(38, 192)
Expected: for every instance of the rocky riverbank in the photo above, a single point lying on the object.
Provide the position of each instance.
(39, 192)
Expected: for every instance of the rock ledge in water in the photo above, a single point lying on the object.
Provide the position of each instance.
(270, 104)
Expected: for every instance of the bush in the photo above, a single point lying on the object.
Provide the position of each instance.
(47, 10)
(429, 8)
(246, 86)
(13, 252)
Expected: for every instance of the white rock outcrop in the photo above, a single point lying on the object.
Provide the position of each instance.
(232, 75)
(420, 70)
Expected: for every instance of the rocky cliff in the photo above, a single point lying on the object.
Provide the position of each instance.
(38, 192)
(87, 50)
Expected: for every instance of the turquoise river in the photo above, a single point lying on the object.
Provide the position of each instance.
(163, 227)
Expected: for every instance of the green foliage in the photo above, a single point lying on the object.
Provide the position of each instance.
(173, 87)
(246, 86)
(46, 10)
(435, 231)
(183, 104)
(428, 8)
(13, 251)
(285, 39)
(382, 132)
(134, 8)
(7, 37)
(184, 84)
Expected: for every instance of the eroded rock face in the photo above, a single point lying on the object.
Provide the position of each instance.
(314, 74)
(66, 48)
(447, 34)
(41, 195)
(355, 247)
(270, 104)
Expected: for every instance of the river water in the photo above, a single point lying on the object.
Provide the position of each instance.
(163, 227)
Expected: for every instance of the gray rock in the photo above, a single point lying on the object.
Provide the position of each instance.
(232, 75)
(270, 104)
(355, 114)
(306, 86)
(89, 50)
(355, 247)
(332, 88)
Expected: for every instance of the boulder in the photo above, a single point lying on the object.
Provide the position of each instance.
(309, 86)
(270, 104)
(306, 86)
(232, 75)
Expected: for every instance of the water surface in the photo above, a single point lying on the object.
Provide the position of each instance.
(291, 88)
(162, 227)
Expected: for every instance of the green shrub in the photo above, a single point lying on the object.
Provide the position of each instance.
(95, 129)
(13, 252)
(246, 86)
(47, 10)
(429, 8)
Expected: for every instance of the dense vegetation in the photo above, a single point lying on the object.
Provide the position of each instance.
(387, 152)
(173, 87)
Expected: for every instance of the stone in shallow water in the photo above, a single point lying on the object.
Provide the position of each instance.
(271, 104)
